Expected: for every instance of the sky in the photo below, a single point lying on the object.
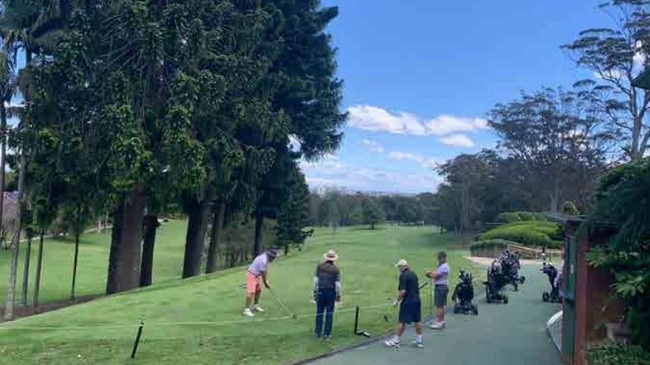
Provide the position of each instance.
(420, 77)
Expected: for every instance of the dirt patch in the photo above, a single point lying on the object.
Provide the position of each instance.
(21, 312)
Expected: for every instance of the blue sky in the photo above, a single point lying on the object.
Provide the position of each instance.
(420, 76)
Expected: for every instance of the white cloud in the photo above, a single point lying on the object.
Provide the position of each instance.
(457, 140)
(428, 163)
(365, 179)
(372, 145)
(372, 118)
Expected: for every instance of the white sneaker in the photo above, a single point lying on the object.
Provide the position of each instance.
(392, 343)
(257, 308)
(248, 313)
(417, 344)
(437, 325)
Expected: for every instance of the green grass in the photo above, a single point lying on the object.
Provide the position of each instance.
(56, 277)
(369, 279)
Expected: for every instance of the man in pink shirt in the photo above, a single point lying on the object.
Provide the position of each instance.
(255, 276)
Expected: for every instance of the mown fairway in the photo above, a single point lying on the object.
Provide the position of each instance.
(198, 321)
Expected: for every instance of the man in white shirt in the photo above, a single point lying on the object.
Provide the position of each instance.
(440, 277)
(256, 271)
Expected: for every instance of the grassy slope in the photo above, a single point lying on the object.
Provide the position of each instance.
(368, 277)
(56, 279)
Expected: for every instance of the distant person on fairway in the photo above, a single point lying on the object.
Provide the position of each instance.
(258, 270)
(327, 291)
(408, 298)
(440, 278)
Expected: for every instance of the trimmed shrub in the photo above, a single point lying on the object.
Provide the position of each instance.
(508, 217)
(488, 248)
(512, 217)
(531, 233)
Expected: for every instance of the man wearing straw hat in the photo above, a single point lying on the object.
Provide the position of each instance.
(327, 291)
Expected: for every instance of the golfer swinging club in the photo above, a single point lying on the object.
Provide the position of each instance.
(327, 291)
(441, 279)
(410, 307)
(258, 269)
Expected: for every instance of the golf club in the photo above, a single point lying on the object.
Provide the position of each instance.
(284, 304)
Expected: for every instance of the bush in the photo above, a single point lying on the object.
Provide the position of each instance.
(615, 354)
(531, 233)
(508, 217)
(512, 217)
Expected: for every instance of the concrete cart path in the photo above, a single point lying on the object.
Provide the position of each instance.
(512, 333)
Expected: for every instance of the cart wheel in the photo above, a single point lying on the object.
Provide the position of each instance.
(515, 286)
(475, 310)
(505, 299)
(522, 279)
(488, 298)
(545, 297)
(456, 309)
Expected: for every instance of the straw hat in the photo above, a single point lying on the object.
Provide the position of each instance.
(331, 255)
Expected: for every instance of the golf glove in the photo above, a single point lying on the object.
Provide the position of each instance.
(396, 302)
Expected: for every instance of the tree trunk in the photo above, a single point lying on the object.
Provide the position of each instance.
(3, 163)
(75, 264)
(259, 224)
(39, 266)
(197, 227)
(15, 242)
(146, 269)
(215, 237)
(124, 260)
(554, 197)
(28, 256)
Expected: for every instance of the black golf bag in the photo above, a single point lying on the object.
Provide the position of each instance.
(463, 294)
(554, 296)
(510, 265)
(496, 281)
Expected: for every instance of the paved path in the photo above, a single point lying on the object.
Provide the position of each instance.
(513, 333)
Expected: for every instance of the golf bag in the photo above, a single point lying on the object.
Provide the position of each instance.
(496, 281)
(510, 265)
(554, 296)
(463, 294)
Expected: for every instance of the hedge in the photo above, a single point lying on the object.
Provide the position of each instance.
(531, 233)
(511, 217)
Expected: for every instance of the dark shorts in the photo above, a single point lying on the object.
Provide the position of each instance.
(410, 311)
(440, 295)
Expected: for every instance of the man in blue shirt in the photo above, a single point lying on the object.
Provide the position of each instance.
(440, 277)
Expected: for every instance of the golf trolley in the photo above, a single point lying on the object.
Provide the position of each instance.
(496, 281)
(464, 294)
(510, 267)
(554, 296)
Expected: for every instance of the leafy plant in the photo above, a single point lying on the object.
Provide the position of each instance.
(622, 210)
(615, 354)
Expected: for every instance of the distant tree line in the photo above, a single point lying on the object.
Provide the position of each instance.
(336, 209)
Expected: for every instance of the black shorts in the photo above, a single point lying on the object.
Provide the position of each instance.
(410, 311)
(440, 295)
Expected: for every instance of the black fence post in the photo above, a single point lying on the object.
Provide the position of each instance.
(356, 320)
(137, 339)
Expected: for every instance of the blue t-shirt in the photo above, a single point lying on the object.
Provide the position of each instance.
(443, 270)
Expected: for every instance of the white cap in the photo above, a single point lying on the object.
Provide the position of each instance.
(401, 262)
